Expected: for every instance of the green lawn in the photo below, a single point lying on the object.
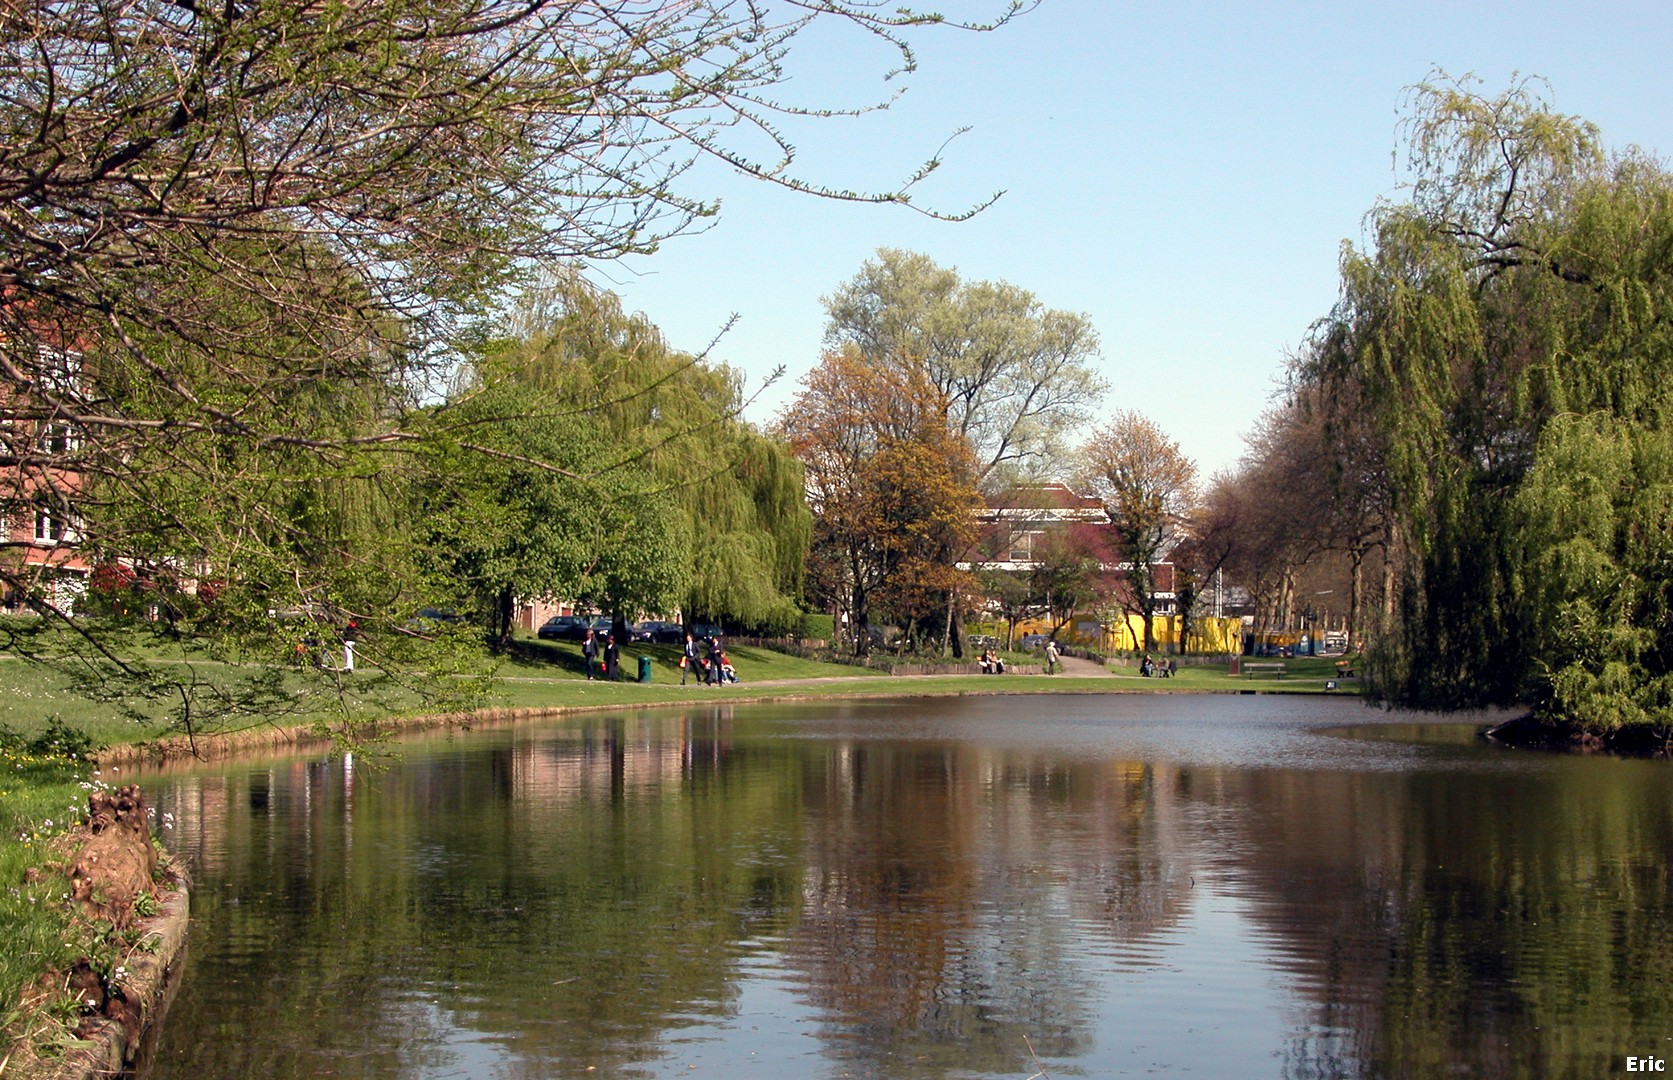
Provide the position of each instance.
(557, 660)
(1301, 675)
(539, 673)
(546, 674)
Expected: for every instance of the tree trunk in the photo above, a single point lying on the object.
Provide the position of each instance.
(862, 623)
(1389, 549)
(505, 603)
(1356, 593)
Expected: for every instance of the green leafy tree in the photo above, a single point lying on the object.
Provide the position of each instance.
(1596, 539)
(503, 518)
(1015, 374)
(720, 503)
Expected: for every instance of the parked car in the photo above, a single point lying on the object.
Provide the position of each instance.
(659, 631)
(428, 620)
(601, 625)
(703, 631)
(563, 628)
(1034, 641)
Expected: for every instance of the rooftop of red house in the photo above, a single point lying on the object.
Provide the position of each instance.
(1053, 500)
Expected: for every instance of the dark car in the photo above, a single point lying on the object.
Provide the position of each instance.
(429, 620)
(704, 631)
(659, 631)
(563, 628)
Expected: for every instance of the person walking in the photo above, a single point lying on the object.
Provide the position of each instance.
(589, 654)
(1051, 656)
(612, 658)
(714, 661)
(688, 662)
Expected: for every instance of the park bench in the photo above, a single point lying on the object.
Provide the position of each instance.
(1275, 668)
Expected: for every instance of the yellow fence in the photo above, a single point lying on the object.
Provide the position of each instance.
(1207, 635)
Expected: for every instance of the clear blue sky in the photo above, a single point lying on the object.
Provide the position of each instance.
(1183, 174)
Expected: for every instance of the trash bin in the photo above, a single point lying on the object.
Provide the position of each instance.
(644, 669)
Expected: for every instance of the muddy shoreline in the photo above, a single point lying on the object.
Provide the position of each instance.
(1525, 732)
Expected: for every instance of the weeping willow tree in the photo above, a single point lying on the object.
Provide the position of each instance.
(703, 507)
(1508, 340)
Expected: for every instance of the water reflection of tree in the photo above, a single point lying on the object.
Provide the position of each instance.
(580, 899)
(1513, 923)
(953, 895)
(574, 923)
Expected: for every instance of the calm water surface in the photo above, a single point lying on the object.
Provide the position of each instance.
(1096, 886)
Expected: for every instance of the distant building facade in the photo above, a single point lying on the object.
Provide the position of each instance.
(40, 485)
(1026, 526)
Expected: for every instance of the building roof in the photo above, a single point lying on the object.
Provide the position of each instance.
(1050, 501)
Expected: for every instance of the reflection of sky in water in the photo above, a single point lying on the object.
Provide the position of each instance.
(1213, 960)
(1203, 886)
(1200, 1011)
(1257, 730)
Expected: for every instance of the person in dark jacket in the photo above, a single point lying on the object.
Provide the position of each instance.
(714, 661)
(689, 665)
(589, 654)
(612, 658)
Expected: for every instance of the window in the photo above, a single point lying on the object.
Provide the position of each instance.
(60, 371)
(58, 438)
(54, 525)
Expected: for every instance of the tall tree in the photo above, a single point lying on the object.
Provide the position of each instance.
(505, 514)
(1147, 485)
(1016, 375)
(890, 486)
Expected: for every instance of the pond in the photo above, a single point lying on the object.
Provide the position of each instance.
(1098, 885)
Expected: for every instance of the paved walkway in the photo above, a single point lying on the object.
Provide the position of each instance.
(1075, 665)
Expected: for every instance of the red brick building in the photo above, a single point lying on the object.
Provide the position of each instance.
(40, 535)
(1023, 527)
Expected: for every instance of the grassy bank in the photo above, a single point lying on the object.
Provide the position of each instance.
(540, 674)
(44, 783)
